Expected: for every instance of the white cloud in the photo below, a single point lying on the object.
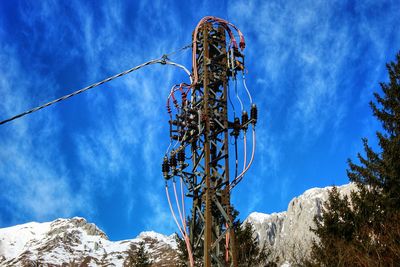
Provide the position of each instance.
(160, 217)
(121, 147)
(300, 45)
(310, 44)
(295, 37)
(301, 58)
(33, 175)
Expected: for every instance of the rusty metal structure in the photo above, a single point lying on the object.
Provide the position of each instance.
(201, 130)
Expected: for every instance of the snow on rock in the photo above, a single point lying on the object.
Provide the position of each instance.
(75, 241)
(13, 240)
(70, 242)
(168, 240)
(267, 226)
(287, 234)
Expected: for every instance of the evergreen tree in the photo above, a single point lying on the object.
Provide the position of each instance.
(365, 229)
(335, 230)
(137, 256)
(248, 250)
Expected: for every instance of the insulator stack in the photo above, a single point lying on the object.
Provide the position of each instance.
(172, 161)
(184, 98)
(176, 103)
(253, 114)
(181, 156)
(165, 168)
(236, 127)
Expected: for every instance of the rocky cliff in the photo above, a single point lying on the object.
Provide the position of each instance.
(287, 234)
(75, 242)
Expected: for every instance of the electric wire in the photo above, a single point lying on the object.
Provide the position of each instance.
(252, 154)
(184, 224)
(231, 103)
(240, 176)
(247, 90)
(172, 210)
(179, 50)
(177, 203)
(169, 146)
(244, 150)
(237, 95)
(182, 67)
(177, 224)
(225, 24)
(232, 62)
(185, 235)
(236, 158)
(163, 60)
(227, 237)
(183, 202)
(81, 90)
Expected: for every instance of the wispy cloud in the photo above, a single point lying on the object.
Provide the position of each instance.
(313, 66)
(160, 218)
(32, 173)
(122, 150)
(297, 61)
(307, 71)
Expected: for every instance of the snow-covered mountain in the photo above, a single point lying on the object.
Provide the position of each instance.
(75, 242)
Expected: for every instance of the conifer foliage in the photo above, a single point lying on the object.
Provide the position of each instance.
(364, 229)
(248, 250)
(137, 256)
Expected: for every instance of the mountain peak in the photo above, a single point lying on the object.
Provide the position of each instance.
(61, 225)
(73, 240)
(76, 241)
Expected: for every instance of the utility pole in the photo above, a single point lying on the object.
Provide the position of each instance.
(211, 92)
(202, 128)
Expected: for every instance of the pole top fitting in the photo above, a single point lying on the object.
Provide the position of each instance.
(164, 59)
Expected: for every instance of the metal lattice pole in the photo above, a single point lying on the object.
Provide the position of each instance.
(214, 194)
(202, 128)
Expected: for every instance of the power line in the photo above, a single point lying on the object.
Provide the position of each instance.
(163, 60)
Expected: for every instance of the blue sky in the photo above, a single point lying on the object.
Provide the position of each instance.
(313, 66)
